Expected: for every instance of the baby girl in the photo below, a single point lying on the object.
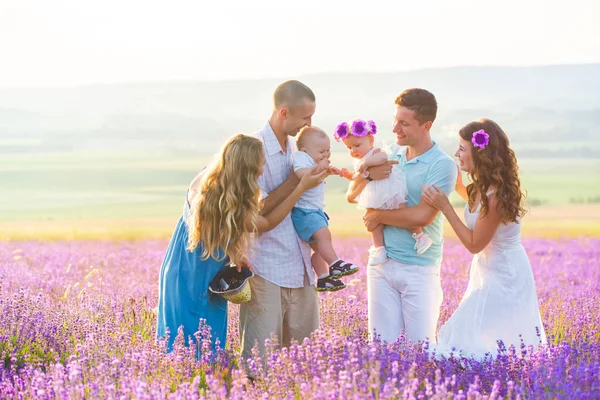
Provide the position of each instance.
(384, 194)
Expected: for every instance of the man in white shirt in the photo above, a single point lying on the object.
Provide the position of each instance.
(284, 297)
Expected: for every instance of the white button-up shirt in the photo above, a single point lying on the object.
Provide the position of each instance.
(279, 255)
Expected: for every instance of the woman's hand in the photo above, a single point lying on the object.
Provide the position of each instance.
(310, 179)
(435, 197)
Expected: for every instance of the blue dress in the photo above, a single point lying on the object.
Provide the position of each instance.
(183, 296)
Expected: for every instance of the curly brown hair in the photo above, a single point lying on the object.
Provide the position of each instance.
(495, 166)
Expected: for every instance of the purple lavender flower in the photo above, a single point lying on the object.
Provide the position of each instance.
(372, 127)
(480, 139)
(341, 131)
(57, 345)
(359, 128)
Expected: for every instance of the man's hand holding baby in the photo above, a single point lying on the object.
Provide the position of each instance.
(382, 171)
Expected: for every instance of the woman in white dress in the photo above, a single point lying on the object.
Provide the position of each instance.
(500, 303)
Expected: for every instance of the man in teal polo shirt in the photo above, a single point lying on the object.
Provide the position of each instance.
(405, 292)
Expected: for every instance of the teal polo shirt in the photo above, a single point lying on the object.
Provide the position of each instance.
(434, 167)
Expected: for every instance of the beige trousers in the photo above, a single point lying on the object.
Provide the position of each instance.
(290, 314)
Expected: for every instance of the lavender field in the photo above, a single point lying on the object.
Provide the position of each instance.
(77, 321)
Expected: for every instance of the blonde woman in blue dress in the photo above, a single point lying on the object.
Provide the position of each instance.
(500, 303)
(221, 210)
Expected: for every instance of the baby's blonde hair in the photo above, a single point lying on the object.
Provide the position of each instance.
(307, 132)
(229, 194)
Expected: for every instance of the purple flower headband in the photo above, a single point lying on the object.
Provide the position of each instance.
(359, 128)
(480, 139)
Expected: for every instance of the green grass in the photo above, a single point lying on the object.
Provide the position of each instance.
(556, 181)
(98, 185)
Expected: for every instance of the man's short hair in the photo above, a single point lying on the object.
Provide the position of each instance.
(290, 93)
(308, 131)
(421, 101)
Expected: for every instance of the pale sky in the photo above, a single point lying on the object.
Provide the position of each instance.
(79, 42)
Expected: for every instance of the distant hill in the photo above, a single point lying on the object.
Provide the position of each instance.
(537, 106)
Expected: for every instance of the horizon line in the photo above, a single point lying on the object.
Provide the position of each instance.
(296, 76)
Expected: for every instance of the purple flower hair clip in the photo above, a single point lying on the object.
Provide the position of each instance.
(480, 139)
(359, 128)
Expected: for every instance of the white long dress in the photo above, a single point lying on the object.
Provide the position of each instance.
(500, 302)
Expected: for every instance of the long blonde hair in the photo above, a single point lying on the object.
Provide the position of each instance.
(229, 194)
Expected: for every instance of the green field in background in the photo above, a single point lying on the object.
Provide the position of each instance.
(98, 185)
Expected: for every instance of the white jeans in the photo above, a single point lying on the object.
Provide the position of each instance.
(404, 297)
